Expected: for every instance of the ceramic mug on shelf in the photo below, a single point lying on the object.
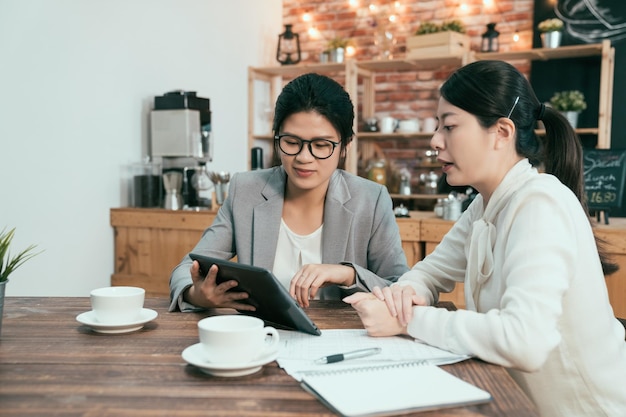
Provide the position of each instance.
(388, 124)
(236, 338)
(409, 126)
(430, 125)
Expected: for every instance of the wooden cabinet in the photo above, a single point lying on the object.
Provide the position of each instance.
(149, 243)
(359, 78)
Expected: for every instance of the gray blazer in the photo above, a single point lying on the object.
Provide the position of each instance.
(360, 229)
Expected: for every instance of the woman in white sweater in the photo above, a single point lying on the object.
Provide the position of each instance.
(536, 298)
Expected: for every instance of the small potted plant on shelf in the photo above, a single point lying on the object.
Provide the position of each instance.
(336, 49)
(550, 32)
(570, 103)
(9, 263)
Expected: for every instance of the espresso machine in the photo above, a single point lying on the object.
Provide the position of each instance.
(181, 142)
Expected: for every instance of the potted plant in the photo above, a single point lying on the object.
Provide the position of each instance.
(570, 103)
(447, 26)
(9, 263)
(550, 32)
(336, 49)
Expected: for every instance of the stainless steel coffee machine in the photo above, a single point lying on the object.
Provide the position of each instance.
(180, 140)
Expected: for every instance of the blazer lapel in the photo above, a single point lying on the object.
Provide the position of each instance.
(337, 221)
(266, 221)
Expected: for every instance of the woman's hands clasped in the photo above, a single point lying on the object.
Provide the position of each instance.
(205, 292)
(386, 311)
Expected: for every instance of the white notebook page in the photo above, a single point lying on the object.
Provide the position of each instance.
(391, 389)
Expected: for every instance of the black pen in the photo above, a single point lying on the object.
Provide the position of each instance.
(348, 355)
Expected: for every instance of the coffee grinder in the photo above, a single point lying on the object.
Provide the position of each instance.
(180, 139)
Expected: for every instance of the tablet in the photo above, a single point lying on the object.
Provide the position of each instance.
(272, 301)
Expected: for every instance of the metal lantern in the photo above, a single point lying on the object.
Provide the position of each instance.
(288, 46)
(490, 42)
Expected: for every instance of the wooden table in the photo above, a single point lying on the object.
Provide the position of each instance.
(52, 365)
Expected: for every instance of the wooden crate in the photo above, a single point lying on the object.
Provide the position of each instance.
(437, 44)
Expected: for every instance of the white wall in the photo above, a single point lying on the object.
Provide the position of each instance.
(77, 80)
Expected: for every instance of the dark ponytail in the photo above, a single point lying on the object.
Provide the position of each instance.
(563, 153)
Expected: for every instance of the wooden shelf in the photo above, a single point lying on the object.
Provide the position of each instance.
(294, 70)
(430, 63)
(395, 135)
(580, 131)
(418, 196)
(360, 83)
(543, 54)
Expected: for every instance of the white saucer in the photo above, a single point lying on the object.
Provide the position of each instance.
(195, 355)
(88, 319)
(408, 131)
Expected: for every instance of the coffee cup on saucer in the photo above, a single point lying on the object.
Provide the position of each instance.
(117, 305)
(236, 339)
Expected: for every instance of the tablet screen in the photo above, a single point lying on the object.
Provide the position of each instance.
(272, 301)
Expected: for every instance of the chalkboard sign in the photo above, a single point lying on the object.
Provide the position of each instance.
(604, 174)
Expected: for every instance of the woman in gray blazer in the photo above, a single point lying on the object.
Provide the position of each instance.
(323, 232)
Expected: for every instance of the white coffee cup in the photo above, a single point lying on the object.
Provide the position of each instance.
(236, 338)
(409, 126)
(388, 124)
(430, 125)
(117, 305)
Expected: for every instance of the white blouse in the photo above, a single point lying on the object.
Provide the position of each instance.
(294, 250)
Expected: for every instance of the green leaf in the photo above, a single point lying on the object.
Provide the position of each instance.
(9, 264)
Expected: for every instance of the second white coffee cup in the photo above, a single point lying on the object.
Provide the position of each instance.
(236, 338)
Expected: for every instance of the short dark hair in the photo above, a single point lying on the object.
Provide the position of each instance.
(320, 94)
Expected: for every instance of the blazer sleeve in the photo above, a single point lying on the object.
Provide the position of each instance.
(217, 241)
(386, 260)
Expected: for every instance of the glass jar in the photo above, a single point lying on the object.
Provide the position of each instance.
(378, 172)
(146, 185)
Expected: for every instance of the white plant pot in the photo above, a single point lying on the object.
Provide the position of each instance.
(337, 55)
(551, 39)
(572, 117)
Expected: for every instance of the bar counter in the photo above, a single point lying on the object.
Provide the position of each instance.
(149, 243)
(51, 365)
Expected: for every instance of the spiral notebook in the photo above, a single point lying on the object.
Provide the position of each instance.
(387, 390)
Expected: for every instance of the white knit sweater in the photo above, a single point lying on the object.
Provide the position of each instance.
(536, 297)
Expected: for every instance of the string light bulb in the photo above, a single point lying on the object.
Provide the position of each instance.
(516, 36)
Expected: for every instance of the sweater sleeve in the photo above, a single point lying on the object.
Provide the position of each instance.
(445, 266)
(520, 305)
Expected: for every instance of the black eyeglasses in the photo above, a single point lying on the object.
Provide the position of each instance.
(292, 145)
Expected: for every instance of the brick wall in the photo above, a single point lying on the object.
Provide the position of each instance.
(405, 94)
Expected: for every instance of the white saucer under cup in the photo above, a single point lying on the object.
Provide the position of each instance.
(88, 319)
(195, 355)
